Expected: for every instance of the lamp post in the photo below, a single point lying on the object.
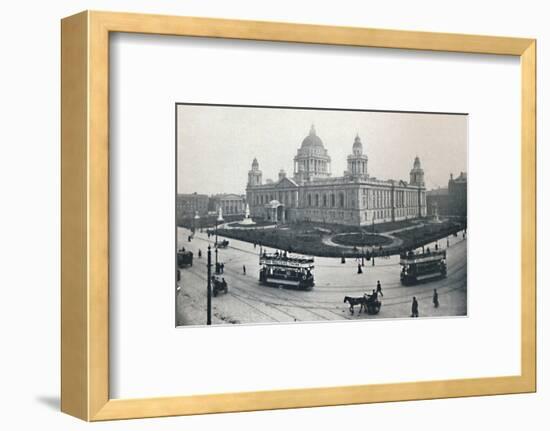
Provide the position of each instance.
(218, 220)
(362, 247)
(209, 288)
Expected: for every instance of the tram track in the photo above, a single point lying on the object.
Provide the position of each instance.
(244, 296)
(289, 298)
(277, 305)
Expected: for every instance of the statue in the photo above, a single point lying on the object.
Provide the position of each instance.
(435, 213)
(247, 220)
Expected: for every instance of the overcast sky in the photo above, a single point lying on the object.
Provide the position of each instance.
(216, 145)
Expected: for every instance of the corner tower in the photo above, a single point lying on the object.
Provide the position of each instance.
(357, 161)
(417, 173)
(254, 174)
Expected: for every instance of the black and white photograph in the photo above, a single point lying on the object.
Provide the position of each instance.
(293, 214)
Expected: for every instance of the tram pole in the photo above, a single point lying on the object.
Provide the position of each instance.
(209, 288)
(362, 247)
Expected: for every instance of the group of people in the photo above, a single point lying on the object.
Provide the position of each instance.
(414, 306)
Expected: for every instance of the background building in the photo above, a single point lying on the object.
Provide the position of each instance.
(231, 204)
(440, 197)
(458, 195)
(353, 199)
(187, 205)
(453, 200)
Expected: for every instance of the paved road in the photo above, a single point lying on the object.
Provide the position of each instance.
(250, 302)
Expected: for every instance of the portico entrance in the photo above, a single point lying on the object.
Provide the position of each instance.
(275, 211)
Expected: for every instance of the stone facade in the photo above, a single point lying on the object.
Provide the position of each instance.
(230, 204)
(458, 195)
(352, 199)
(188, 205)
(453, 200)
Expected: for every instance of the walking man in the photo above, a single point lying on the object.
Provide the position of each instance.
(359, 270)
(414, 308)
(200, 253)
(379, 288)
(244, 270)
(436, 299)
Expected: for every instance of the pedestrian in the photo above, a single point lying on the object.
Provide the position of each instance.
(436, 299)
(200, 253)
(222, 267)
(379, 288)
(414, 308)
(244, 270)
(359, 269)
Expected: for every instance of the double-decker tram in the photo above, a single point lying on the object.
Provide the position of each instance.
(287, 270)
(416, 268)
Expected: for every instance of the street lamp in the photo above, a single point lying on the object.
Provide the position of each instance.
(362, 247)
(218, 220)
(209, 287)
(373, 217)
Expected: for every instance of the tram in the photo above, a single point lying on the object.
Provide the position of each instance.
(287, 270)
(417, 268)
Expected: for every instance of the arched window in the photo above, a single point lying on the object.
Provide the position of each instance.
(324, 200)
(309, 200)
(341, 200)
(332, 200)
(316, 200)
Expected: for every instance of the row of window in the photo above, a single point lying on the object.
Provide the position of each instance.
(386, 214)
(372, 198)
(284, 197)
(326, 200)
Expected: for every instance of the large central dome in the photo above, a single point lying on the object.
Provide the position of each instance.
(312, 140)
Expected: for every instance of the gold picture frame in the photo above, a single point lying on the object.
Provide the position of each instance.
(85, 222)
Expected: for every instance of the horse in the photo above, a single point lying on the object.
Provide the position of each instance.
(353, 301)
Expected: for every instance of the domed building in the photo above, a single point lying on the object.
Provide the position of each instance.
(352, 199)
(312, 159)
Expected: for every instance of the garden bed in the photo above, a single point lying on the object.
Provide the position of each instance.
(361, 239)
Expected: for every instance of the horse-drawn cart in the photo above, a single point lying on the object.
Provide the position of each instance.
(368, 303)
(185, 258)
(221, 244)
(218, 285)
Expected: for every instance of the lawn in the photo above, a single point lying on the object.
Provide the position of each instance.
(306, 238)
(361, 239)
